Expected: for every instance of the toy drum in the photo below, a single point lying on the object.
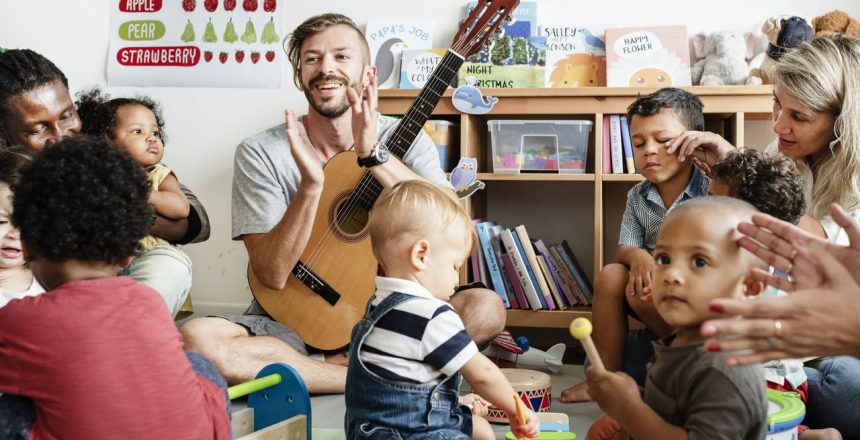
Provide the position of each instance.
(785, 411)
(533, 388)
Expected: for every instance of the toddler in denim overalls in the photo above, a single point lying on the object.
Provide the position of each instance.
(408, 352)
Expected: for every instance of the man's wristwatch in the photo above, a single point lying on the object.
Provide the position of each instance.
(378, 156)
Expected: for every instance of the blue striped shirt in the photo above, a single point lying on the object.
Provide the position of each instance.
(645, 211)
(420, 341)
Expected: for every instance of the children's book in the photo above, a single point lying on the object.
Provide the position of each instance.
(551, 282)
(509, 288)
(536, 272)
(514, 59)
(388, 38)
(480, 272)
(607, 148)
(628, 147)
(417, 65)
(575, 56)
(579, 274)
(563, 286)
(510, 241)
(568, 277)
(652, 56)
(516, 286)
(484, 239)
(615, 144)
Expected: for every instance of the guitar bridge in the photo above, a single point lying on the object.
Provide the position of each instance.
(315, 283)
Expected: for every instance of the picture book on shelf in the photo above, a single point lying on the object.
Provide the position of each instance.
(651, 56)
(484, 230)
(388, 38)
(575, 56)
(417, 65)
(533, 299)
(514, 59)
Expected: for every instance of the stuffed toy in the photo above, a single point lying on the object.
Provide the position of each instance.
(783, 34)
(836, 21)
(723, 60)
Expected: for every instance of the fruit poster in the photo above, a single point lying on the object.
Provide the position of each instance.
(196, 43)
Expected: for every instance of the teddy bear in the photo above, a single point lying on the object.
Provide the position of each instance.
(723, 59)
(783, 33)
(835, 21)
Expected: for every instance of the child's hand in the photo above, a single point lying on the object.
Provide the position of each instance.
(476, 403)
(639, 282)
(530, 429)
(708, 147)
(303, 152)
(613, 392)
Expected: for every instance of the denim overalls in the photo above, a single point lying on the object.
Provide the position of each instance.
(377, 408)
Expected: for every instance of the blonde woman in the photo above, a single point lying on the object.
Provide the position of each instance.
(816, 113)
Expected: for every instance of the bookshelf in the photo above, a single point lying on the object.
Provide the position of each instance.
(584, 209)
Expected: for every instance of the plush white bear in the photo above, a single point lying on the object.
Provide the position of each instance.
(723, 60)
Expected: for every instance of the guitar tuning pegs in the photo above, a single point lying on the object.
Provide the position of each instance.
(499, 32)
(509, 19)
(488, 2)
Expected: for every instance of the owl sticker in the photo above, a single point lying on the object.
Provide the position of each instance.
(464, 177)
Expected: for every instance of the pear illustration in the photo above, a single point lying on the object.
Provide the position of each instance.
(230, 35)
(209, 35)
(188, 34)
(250, 35)
(269, 35)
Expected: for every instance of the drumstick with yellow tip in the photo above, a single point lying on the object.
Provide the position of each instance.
(580, 329)
(521, 414)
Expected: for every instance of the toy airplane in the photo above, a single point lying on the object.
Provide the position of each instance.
(507, 353)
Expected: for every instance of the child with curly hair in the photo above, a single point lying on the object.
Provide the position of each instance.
(98, 352)
(16, 279)
(136, 126)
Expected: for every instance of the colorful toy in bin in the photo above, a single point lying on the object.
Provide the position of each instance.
(558, 146)
(785, 412)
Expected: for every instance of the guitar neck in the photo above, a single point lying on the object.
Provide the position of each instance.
(412, 123)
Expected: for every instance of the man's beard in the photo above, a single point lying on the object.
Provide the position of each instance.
(333, 108)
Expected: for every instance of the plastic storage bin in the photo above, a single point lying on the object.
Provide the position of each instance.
(530, 145)
(445, 135)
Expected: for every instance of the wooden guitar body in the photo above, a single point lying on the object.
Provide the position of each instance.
(338, 251)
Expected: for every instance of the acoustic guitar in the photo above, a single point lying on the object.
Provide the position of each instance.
(329, 286)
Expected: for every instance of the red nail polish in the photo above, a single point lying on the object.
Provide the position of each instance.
(712, 346)
(716, 308)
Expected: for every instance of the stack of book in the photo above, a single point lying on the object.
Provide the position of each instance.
(526, 273)
(617, 149)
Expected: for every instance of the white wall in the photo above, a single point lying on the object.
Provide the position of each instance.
(205, 124)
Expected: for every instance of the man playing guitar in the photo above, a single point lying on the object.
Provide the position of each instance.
(277, 183)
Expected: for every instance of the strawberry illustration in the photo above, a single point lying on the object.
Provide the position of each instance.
(270, 55)
(240, 56)
(269, 5)
(249, 5)
(229, 5)
(207, 55)
(223, 57)
(189, 5)
(210, 5)
(255, 56)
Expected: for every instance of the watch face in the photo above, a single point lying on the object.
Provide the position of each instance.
(381, 153)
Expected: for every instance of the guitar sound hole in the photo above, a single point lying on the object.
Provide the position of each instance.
(349, 217)
(352, 219)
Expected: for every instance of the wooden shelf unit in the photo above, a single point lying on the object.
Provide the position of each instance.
(591, 222)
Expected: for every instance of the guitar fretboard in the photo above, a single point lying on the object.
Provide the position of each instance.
(400, 141)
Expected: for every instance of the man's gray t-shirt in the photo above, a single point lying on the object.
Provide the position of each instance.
(266, 178)
(696, 390)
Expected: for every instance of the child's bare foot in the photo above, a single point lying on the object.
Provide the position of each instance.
(820, 434)
(576, 393)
